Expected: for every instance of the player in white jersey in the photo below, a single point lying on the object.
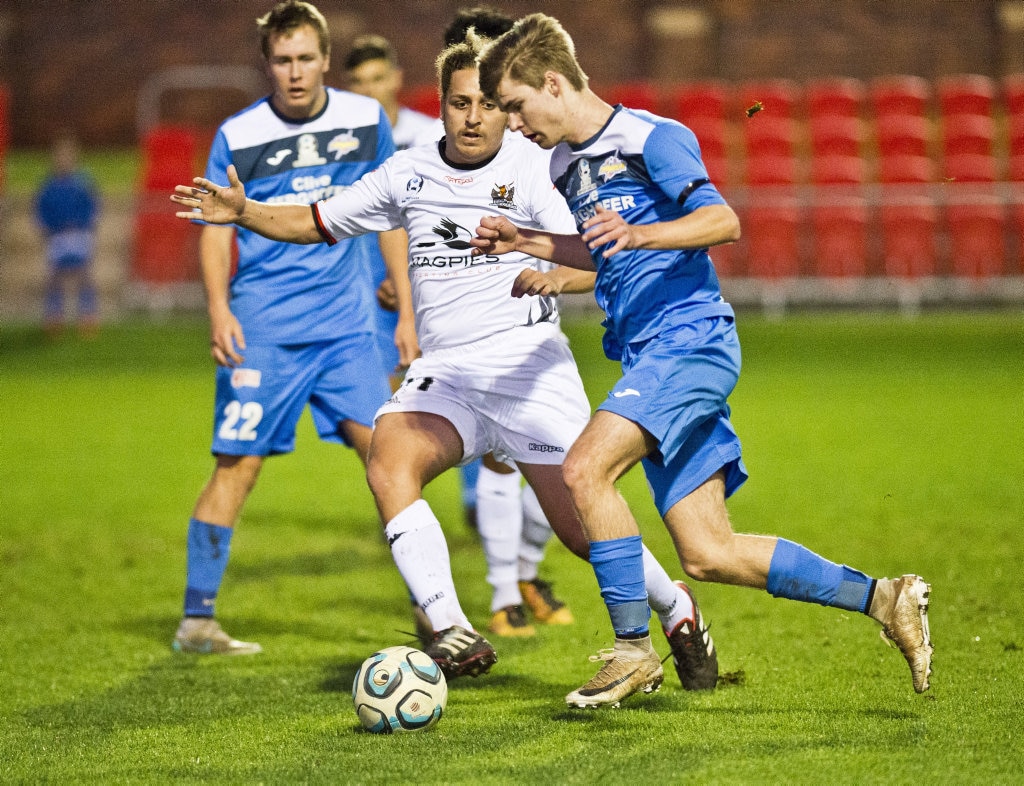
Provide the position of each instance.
(496, 374)
(513, 530)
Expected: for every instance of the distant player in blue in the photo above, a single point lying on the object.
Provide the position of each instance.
(66, 208)
(295, 324)
(647, 214)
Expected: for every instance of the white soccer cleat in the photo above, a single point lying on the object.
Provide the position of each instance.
(204, 636)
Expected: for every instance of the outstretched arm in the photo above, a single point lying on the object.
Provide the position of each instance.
(216, 204)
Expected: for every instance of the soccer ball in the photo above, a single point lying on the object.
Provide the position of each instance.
(399, 689)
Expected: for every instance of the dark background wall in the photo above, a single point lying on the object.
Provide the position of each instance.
(85, 63)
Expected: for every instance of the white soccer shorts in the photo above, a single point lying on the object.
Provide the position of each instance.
(517, 394)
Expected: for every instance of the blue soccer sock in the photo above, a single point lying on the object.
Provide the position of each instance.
(208, 548)
(799, 574)
(619, 567)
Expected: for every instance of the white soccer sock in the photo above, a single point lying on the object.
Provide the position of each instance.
(536, 534)
(421, 554)
(499, 516)
(668, 601)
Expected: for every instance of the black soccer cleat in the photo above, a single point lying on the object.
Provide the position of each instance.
(459, 652)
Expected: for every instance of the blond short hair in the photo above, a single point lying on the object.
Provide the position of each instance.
(535, 45)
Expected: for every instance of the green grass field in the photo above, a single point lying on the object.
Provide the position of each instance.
(890, 445)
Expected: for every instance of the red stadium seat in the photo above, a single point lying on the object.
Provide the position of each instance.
(776, 97)
(837, 169)
(839, 216)
(975, 217)
(906, 169)
(718, 169)
(835, 135)
(909, 216)
(771, 236)
(1015, 168)
(900, 94)
(970, 168)
(903, 135)
(977, 235)
(771, 170)
(767, 135)
(168, 157)
(712, 134)
(974, 134)
(633, 95)
(835, 97)
(1015, 135)
(772, 218)
(697, 99)
(165, 249)
(966, 94)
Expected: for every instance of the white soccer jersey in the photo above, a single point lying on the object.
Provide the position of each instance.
(458, 298)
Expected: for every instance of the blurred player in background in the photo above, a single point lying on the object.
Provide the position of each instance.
(647, 212)
(295, 325)
(67, 208)
(371, 69)
(496, 373)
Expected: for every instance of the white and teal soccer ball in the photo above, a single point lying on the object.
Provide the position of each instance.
(399, 689)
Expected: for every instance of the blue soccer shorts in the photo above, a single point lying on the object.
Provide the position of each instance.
(258, 404)
(675, 386)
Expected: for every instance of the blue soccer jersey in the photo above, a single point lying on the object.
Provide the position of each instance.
(649, 170)
(284, 293)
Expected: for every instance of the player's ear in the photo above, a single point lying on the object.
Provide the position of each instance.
(552, 83)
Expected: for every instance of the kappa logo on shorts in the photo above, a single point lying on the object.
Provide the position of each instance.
(246, 378)
(539, 448)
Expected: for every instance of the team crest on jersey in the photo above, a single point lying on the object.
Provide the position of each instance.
(246, 378)
(503, 196)
(587, 183)
(612, 166)
(342, 145)
(415, 185)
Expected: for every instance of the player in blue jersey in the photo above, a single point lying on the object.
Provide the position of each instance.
(66, 208)
(647, 214)
(294, 325)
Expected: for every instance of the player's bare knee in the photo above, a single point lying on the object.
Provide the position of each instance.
(703, 564)
(579, 475)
